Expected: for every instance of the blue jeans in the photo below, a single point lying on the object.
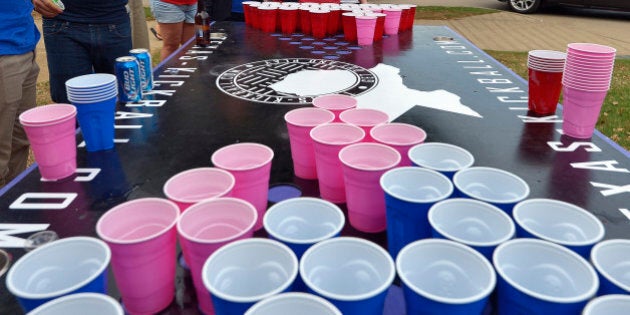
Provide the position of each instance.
(75, 49)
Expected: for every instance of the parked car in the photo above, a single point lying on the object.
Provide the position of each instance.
(530, 6)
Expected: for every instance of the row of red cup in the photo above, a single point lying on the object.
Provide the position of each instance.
(328, 19)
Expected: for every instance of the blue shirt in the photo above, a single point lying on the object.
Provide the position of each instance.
(93, 11)
(18, 33)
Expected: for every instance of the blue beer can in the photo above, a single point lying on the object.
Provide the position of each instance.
(146, 70)
(128, 76)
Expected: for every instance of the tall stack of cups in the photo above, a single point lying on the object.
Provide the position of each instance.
(545, 80)
(95, 97)
(586, 80)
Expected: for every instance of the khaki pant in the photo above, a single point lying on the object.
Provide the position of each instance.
(18, 80)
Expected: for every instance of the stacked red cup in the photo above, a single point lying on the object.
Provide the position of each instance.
(545, 80)
(587, 76)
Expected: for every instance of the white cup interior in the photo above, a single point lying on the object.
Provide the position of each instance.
(612, 304)
(93, 80)
(293, 303)
(545, 270)
(491, 184)
(347, 269)
(58, 268)
(445, 271)
(441, 157)
(415, 184)
(97, 304)
(558, 222)
(612, 259)
(303, 220)
(250, 270)
(471, 222)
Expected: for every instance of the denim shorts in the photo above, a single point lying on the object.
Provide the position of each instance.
(165, 12)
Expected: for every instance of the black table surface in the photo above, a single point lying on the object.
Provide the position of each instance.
(206, 98)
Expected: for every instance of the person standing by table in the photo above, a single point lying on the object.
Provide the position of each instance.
(18, 79)
(176, 22)
(85, 37)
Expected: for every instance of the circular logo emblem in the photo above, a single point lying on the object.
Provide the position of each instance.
(276, 81)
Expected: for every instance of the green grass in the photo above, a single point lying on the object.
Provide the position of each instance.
(448, 13)
(148, 15)
(614, 118)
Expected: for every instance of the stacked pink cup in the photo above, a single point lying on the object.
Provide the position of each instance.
(587, 75)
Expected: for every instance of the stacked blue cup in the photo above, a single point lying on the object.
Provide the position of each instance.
(95, 97)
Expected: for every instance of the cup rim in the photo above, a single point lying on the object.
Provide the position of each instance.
(517, 214)
(284, 248)
(268, 158)
(282, 296)
(423, 134)
(588, 309)
(497, 170)
(182, 174)
(352, 101)
(72, 112)
(416, 170)
(343, 116)
(444, 145)
(565, 251)
(194, 208)
(546, 54)
(594, 252)
(467, 249)
(344, 297)
(345, 125)
(106, 79)
(489, 207)
(288, 120)
(121, 206)
(46, 247)
(283, 203)
(99, 296)
(369, 144)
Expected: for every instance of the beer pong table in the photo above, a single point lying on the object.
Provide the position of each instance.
(206, 98)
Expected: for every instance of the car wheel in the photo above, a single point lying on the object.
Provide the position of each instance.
(524, 6)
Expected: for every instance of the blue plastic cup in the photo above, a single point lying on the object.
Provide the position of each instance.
(80, 303)
(442, 157)
(241, 273)
(613, 304)
(558, 222)
(409, 194)
(293, 303)
(477, 224)
(444, 277)
(540, 277)
(351, 273)
(97, 123)
(611, 259)
(492, 185)
(59, 268)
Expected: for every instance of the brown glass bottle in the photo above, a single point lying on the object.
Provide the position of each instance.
(202, 25)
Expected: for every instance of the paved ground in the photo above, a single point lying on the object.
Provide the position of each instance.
(551, 29)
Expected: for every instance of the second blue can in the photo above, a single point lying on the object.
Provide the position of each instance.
(146, 70)
(128, 76)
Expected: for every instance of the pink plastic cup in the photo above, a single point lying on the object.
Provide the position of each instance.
(300, 122)
(206, 227)
(362, 165)
(392, 20)
(399, 136)
(366, 26)
(349, 26)
(141, 235)
(194, 185)
(328, 140)
(581, 111)
(591, 49)
(51, 131)
(289, 17)
(335, 103)
(250, 163)
(366, 118)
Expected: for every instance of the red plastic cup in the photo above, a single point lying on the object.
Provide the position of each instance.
(380, 26)
(300, 122)
(349, 26)
(191, 186)
(363, 164)
(51, 131)
(335, 103)
(580, 111)
(268, 18)
(142, 236)
(399, 136)
(319, 22)
(392, 20)
(334, 18)
(247, 11)
(366, 26)
(255, 15)
(328, 140)
(305, 20)
(250, 163)
(544, 91)
(289, 17)
(206, 227)
(408, 16)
